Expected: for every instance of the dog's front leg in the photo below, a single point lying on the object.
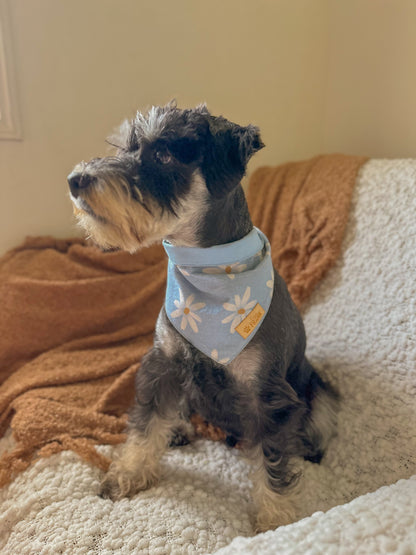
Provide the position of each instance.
(151, 422)
(273, 498)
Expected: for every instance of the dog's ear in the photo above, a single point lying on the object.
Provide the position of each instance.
(249, 142)
(228, 150)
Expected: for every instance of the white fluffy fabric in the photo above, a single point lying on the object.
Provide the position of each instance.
(361, 326)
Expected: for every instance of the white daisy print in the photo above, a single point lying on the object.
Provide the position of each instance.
(270, 283)
(187, 309)
(268, 250)
(239, 310)
(215, 356)
(229, 269)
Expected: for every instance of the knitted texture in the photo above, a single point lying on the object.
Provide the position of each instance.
(75, 321)
(303, 208)
(360, 323)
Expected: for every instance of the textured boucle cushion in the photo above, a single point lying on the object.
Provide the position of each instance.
(361, 324)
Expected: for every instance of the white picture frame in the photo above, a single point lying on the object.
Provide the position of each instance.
(10, 127)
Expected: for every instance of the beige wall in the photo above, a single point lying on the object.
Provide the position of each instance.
(315, 75)
(83, 65)
(370, 105)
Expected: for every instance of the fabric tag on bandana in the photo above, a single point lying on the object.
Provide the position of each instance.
(217, 297)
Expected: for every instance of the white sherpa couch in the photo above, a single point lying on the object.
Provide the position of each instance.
(361, 326)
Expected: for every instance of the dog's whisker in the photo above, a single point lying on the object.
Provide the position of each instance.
(118, 147)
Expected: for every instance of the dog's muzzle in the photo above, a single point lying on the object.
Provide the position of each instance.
(79, 181)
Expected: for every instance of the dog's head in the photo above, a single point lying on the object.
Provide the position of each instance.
(169, 163)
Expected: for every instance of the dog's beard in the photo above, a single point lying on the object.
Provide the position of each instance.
(113, 219)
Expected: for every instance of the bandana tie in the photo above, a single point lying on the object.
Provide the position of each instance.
(217, 297)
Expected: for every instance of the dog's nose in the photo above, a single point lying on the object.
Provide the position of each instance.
(78, 180)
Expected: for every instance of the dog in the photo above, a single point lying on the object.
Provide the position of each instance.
(176, 177)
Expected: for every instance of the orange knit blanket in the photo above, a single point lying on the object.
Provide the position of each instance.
(75, 321)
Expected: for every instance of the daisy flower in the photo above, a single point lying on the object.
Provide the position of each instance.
(239, 310)
(270, 283)
(187, 310)
(229, 269)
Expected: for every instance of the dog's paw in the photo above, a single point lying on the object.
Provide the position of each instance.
(272, 515)
(182, 434)
(119, 483)
(179, 439)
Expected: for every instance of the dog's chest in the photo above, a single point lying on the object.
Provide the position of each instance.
(246, 366)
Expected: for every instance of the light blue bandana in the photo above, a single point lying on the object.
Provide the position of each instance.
(218, 296)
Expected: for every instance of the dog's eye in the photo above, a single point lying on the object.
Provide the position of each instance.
(163, 156)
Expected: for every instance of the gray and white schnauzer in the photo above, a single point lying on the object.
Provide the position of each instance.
(229, 343)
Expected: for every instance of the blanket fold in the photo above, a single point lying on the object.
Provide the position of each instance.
(75, 321)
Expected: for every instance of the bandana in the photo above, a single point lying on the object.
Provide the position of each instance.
(217, 297)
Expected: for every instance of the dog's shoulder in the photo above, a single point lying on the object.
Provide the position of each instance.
(168, 339)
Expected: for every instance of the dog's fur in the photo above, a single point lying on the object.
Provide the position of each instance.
(176, 176)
